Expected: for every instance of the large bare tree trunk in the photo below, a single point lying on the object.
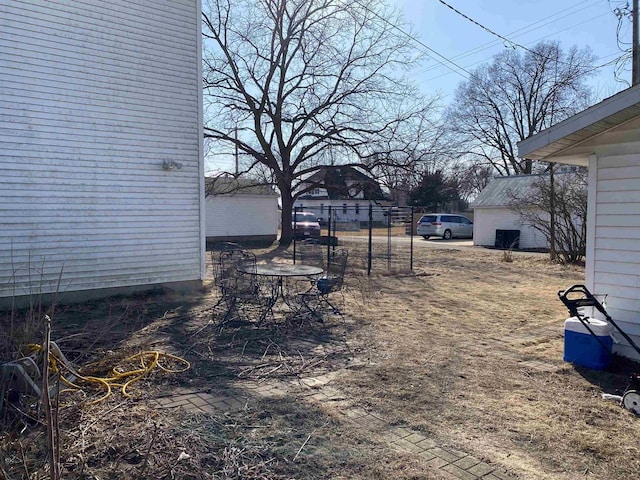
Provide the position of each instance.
(286, 231)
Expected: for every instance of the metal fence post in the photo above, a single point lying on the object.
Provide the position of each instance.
(411, 249)
(389, 238)
(329, 237)
(370, 239)
(295, 225)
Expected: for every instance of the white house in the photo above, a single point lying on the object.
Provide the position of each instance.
(241, 211)
(606, 137)
(492, 212)
(102, 181)
(347, 191)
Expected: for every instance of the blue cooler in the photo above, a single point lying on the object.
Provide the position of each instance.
(581, 348)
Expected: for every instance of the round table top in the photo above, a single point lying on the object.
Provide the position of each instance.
(282, 270)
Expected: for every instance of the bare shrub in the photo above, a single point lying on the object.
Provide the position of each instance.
(556, 206)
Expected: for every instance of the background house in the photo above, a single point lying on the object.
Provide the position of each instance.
(492, 212)
(348, 191)
(606, 138)
(239, 210)
(100, 113)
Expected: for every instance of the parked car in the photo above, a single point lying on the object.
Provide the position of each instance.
(444, 225)
(305, 225)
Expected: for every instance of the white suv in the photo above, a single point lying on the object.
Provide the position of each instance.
(444, 225)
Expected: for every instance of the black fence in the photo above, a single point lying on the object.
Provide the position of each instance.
(381, 237)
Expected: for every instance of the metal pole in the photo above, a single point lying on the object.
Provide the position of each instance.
(295, 224)
(411, 248)
(370, 239)
(329, 237)
(389, 239)
(635, 76)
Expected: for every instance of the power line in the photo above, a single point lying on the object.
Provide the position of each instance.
(424, 45)
(577, 8)
(511, 42)
(428, 69)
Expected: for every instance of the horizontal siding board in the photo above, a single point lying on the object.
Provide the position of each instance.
(618, 161)
(616, 267)
(632, 257)
(94, 96)
(618, 208)
(617, 291)
(618, 185)
(621, 196)
(619, 238)
(619, 173)
(613, 280)
(621, 247)
(617, 220)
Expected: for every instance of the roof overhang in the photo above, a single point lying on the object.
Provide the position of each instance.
(573, 140)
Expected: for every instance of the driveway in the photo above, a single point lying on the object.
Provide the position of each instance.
(418, 242)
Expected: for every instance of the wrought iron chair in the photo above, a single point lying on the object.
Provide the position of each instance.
(237, 283)
(309, 252)
(318, 296)
(216, 261)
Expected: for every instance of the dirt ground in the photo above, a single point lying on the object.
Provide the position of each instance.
(466, 350)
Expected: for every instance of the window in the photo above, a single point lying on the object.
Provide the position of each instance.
(357, 209)
(301, 217)
(344, 208)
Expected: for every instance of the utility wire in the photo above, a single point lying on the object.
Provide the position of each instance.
(510, 42)
(543, 22)
(422, 44)
(484, 60)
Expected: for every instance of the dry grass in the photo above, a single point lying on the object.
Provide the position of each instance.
(466, 349)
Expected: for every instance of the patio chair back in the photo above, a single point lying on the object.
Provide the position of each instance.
(309, 252)
(335, 271)
(216, 260)
(235, 283)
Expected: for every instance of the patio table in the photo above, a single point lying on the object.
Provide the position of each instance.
(281, 272)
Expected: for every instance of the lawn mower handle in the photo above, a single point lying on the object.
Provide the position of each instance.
(586, 300)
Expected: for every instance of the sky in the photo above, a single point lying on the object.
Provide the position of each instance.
(451, 41)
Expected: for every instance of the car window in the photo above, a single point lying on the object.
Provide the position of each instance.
(465, 220)
(304, 217)
(428, 218)
(448, 219)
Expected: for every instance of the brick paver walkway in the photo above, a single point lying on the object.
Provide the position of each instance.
(318, 389)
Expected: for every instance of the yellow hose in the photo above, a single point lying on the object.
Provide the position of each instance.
(148, 361)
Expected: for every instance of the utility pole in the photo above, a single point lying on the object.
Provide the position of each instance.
(635, 75)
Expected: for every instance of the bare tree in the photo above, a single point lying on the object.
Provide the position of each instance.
(515, 96)
(471, 177)
(556, 206)
(295, 85)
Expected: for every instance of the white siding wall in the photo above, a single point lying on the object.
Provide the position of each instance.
(615, 265)
(94, 96)
(241, 215)
(488, 220)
